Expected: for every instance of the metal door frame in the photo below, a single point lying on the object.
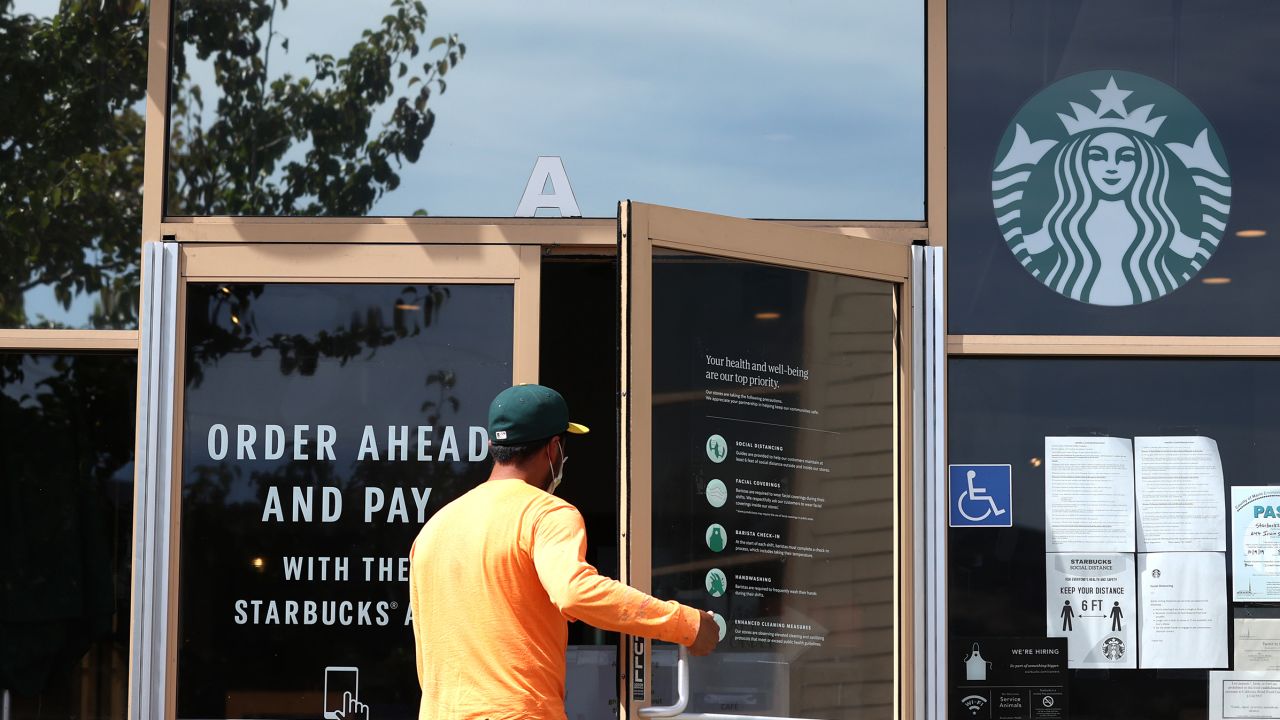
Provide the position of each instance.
(916, 272)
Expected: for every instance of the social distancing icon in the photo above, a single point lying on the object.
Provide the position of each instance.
(717, 449)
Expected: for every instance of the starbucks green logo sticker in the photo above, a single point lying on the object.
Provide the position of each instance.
(1111, 188)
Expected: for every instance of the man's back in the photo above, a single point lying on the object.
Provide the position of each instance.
(496, 575)
(496, 641)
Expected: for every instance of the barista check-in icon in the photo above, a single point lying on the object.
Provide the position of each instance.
(716, 537)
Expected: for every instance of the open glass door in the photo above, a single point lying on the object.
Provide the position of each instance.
(330, 398)
(764, 443)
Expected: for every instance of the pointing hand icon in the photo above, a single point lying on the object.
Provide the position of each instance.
(352, 709)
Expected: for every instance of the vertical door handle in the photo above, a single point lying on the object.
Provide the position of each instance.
(677, 709)
(682, 691)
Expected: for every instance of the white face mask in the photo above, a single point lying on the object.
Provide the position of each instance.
(557, 475)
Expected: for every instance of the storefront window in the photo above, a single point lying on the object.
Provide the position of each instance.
(71, 163)
(757, 109)
(1110, 168)
(774, 483)
(1134, 558)
(66, 499)
(323, 425)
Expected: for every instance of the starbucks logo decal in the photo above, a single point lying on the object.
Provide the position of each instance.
(1111, 188)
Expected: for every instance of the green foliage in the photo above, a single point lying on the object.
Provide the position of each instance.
(298, 146)
(71, 155)
(73, 86)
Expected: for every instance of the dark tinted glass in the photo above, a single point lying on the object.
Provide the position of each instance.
(579, 358)
(72, 80)
(774, 477)
(66, 499)
(1178, 239)
(391, 107)
(323, 425)
(1001, 411)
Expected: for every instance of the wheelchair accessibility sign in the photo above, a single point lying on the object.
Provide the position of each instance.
(981, 495)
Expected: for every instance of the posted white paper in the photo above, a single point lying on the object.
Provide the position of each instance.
(1178, 483)
(1183, 623)
(1091, 603)
(1258, 644)
(1244, 696)
(1255, 543)
(1088, 500)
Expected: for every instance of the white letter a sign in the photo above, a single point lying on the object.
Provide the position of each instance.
(548, 171)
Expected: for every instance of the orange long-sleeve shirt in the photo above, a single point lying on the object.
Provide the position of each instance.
(495, 575)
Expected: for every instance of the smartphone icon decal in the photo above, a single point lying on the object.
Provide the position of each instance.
(338, 681)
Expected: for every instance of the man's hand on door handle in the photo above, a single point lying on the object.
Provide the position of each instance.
(708, 635)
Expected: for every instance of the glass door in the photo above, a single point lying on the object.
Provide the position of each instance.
(764, 443)
(331, 398)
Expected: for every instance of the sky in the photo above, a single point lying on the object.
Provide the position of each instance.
(759, 109)
(810, 109)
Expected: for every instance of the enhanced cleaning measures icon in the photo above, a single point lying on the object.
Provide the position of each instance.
(981, 495)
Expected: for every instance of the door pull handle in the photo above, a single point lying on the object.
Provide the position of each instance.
(682, 691)
(676, 710)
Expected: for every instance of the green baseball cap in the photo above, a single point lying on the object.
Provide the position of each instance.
(526, 413)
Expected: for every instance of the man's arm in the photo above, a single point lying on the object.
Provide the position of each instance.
(559, 553)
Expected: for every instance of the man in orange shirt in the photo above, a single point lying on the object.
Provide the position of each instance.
(497, 573)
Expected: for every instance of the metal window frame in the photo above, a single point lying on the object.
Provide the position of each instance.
(150, 674)
(929, 427)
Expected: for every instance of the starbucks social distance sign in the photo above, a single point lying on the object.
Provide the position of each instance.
(1111, 188)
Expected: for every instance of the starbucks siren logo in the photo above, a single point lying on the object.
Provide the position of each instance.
(1110, 205)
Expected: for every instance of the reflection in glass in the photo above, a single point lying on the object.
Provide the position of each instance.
(318, 133)
(323, 424)
(71, 163)
(749, 108)
(774, 482)
(66, 499)
(1001, 411)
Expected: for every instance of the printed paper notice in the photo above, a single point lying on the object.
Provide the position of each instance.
(1183, 623)
(1088, 498)
(1091, 603)
(1258, 644)
(1244, 696)
(1178, 483)
(1255, 544)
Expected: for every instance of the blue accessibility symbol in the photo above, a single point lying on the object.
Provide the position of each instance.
(981, 495)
